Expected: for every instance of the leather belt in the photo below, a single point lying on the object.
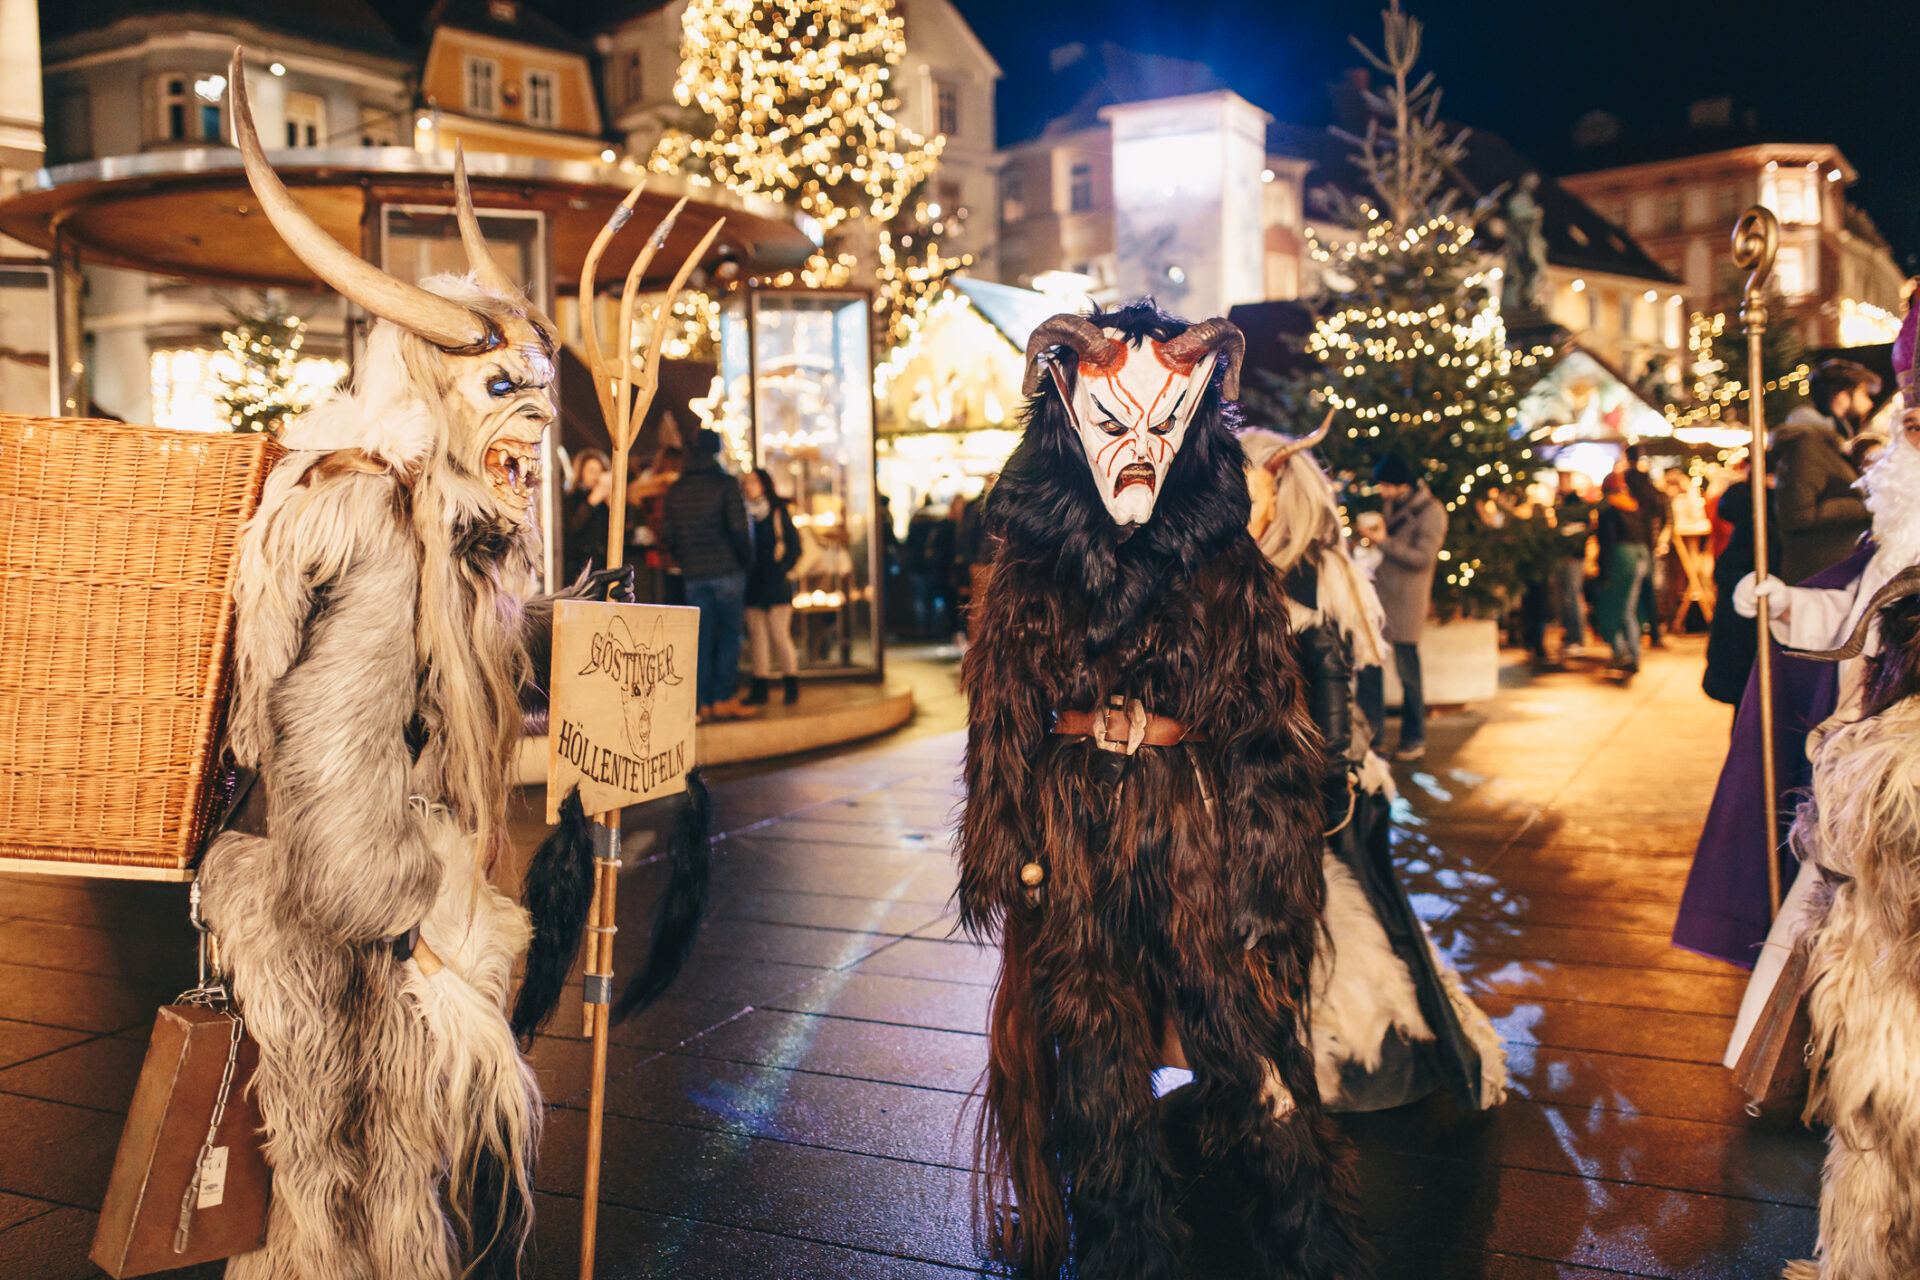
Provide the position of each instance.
(1123, 727)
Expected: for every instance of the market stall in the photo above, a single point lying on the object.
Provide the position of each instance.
(948, 401)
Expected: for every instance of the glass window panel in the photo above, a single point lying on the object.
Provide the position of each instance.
(480, 86)
(812, 429)
(1080, 193)
(540, 97)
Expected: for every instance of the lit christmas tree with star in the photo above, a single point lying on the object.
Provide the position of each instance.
(1413, 354)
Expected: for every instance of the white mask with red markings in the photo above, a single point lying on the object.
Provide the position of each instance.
(1132, 403)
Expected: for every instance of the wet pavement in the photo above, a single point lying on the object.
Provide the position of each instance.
(796, 1107)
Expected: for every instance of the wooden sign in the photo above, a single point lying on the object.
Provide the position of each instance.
(621, 721)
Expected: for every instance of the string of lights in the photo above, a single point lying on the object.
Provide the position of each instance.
(795, 101)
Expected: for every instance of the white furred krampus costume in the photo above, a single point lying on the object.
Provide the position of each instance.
(384, 629)
(1855, 907)
(1390, 1018)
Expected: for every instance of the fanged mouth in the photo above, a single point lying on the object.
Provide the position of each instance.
(513, 470)
(1131, 474)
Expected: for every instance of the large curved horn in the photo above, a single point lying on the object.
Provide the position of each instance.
(446, 324)
(1065, 330)
(1216, 334)
(1278, 458)
(480, 259)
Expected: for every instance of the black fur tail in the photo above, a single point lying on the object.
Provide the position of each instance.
(681, 906)
(558, 895)
(497, 1228)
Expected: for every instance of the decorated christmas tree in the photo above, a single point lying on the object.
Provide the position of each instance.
(258, 392)
(1413, 355)
(793, 100)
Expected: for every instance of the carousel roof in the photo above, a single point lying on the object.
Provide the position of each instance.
(191, 213)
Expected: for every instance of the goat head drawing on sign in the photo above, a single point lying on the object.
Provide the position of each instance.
(638, 668)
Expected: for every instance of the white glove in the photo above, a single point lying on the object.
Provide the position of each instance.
(1748, 594)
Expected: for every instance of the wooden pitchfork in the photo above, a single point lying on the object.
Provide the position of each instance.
(626, 384)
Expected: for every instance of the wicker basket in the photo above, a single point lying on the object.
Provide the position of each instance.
(118, 549)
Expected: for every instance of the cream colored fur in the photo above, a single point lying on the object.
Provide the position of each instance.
(1862, 826)
(370, 604)
(1479, 1028)
(1361, 990)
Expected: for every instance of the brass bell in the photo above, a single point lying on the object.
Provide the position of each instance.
(1032, 874)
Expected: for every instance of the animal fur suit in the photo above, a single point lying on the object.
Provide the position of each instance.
(1862, 828)
(400, 1118)
(385, 632)
(1182, 890)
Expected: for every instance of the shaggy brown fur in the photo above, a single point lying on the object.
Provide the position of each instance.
(1183, 885)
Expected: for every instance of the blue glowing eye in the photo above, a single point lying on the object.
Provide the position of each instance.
(500, 388)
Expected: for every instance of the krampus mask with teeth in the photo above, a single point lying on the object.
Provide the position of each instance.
(1131, 397)
(495, 351)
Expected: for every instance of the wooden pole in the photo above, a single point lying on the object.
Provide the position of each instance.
(623, 410)
(1756, 237)
(597, 980)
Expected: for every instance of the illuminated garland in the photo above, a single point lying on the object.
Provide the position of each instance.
(1415, 358)
(794, 101)
(1714, 388)
(696, 327)
(944, 303)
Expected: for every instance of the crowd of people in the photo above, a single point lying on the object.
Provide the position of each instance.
(938, 567)
(1639, 552)
(701, 537)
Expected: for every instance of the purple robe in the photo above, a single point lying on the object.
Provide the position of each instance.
(1725, 912)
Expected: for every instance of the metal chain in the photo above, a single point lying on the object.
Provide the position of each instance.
(188, 1201)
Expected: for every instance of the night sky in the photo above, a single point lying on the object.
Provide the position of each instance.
(1831, 71)
(1813, 72)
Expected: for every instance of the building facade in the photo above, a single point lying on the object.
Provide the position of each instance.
(150, 79)
(1067, 205)
(945, 84)
(147, 76)
(1834, 271)
(501, 76)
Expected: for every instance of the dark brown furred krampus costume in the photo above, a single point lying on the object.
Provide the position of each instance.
(1182, 886)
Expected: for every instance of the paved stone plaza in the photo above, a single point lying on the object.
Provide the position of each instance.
(796, 1108)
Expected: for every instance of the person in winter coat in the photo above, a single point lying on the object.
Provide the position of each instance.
(776, 549)
(1409, 535)
(706, 533)
(1821, 514)
(1731, 639)
(1573, 517)
(587, 514)
(1624, 561)
(1657, 517)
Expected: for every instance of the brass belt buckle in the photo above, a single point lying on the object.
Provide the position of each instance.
(1136, 714)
